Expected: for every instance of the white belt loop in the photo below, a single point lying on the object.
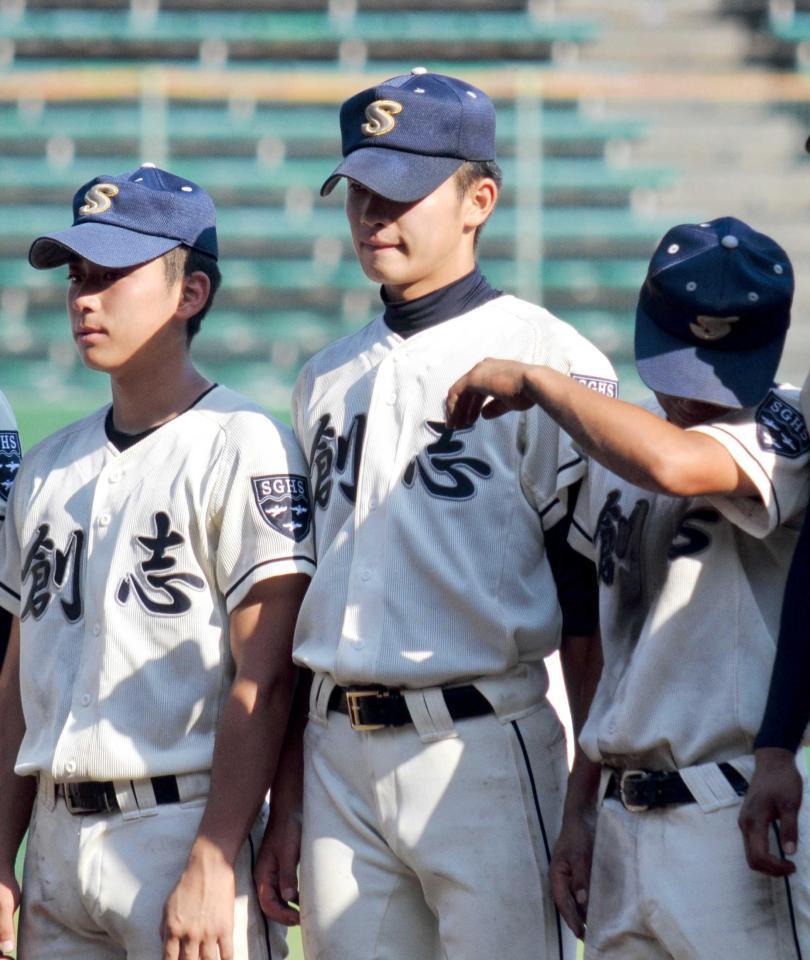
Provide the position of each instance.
(604, 782)
(46, 791)
(428, 710)
(130, 794)
(322, 686)
(193, 786)
(708, 785)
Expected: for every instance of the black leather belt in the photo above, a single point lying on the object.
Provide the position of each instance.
(85, 797)
(372, 708)
(640, 790)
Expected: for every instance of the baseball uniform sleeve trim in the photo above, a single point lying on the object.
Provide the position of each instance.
(755, 516)
(281, 566)
(6, 603)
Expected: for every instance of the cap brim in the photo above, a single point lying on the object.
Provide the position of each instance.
(394, 174)
(101, 243)
(730, 378)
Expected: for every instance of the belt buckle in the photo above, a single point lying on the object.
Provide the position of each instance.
(353, 698)
(73, 801)
(629, 777)
(75, 806)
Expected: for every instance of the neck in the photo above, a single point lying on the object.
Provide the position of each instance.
(147, 398)
(443, 276)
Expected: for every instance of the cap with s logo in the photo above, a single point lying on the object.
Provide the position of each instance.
(405, 137)
(127, 219)
(713, 313)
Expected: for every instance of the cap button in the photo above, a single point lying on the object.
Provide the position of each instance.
(418, 71)
(729, 241)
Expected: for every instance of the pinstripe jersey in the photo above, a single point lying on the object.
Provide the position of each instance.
(431, 561)
(10, 452)
(690, 596)
(124, 566)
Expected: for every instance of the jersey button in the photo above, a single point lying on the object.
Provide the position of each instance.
(357, 644)
(365, 575)
(86, 699)
(96, 629)
(391, 399)
(114, 477)
(104, 519)
(70, 766)
(372, 503)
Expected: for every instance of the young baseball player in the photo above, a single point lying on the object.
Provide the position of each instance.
(690, 511)
(10, 452)
(434, 765)
(155, 554)
(775, 793)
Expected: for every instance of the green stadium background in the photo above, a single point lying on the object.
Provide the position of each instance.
(614, 122)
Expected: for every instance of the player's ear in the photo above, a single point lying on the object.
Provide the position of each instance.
(194, 292)
(480, 201)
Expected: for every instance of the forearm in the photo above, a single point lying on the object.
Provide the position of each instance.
(581, 661)
(16, 793)
(246, 755)
(287, 792)
(788, 709)
(630, 441)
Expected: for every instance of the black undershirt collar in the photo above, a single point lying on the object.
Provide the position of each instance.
(407, 317)
(123, 441)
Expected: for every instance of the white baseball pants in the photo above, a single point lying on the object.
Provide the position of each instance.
(94, 886)
(435, 850)
(673, 884)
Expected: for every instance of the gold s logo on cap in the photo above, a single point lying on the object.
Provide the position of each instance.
(380, 116)
(712, 328)
(98, 199)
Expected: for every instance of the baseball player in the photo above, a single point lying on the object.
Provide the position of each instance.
(10, 452)
(155, 554)
(690, 513)
(775, 793)
(434, 765)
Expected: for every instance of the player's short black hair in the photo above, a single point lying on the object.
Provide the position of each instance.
(181, 262)
(469, 173)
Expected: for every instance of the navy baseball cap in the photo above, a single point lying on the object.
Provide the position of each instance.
(130, 218)
(405, 137)
(713, 313)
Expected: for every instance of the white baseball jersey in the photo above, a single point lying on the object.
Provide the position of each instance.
(10, 453)
(124, 566)
(806, 399)
(690, 596)
(431, 561)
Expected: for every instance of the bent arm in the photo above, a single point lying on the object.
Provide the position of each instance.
(630, 441)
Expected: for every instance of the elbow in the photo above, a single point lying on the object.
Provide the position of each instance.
(672, 474)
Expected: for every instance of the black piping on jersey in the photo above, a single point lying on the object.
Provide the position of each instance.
(770, 482)
(789, 897)
(265, 563)
(550, 506)
(567, 466)
(536, 799)
(258, 904)
(581, 530)
(9, 590)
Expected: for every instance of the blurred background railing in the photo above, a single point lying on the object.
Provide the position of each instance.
(614, 122)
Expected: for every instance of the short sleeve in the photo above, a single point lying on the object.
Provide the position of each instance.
(581, 533)
(545, 478)
(10, 559)
(771, 444)
(262, 505)
(10, 453)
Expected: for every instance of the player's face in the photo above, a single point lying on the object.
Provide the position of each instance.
(412, 248)
(124, 315)
(684, 412)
